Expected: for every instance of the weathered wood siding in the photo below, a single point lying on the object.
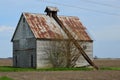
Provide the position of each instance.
(22, 30)
(24, 46)
(88, 47)
(43, 59)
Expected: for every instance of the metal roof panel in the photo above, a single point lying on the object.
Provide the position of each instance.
(75, 27)
(45, 27)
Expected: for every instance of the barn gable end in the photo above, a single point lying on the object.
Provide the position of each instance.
(22, 30)
(24, 45)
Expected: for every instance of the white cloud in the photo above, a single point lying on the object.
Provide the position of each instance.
(6, 28)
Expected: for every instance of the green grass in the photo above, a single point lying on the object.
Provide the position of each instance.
(12, 69)
(5, 78)
(110, 68)
(65, 69)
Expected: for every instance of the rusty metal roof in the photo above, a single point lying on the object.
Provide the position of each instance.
(75, 27)
(45, 27)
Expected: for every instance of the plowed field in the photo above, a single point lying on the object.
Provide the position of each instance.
(67, 75)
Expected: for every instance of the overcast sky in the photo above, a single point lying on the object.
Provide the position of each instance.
(101, 18)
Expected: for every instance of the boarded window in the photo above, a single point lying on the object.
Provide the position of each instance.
(23, 20)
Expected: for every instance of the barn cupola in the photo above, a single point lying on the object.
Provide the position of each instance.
(51, 11)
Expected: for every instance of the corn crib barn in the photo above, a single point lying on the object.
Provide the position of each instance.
(41, 41)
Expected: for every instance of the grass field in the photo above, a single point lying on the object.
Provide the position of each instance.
(5, 78)
(109, 70)
(12, 69)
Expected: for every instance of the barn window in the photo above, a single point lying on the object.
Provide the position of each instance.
(23, 20)
(16, 61)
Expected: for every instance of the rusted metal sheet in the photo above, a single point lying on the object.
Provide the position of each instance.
(75, 27)
(45, 27)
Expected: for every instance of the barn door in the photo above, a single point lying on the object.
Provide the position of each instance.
(16, 61)
(31, 60)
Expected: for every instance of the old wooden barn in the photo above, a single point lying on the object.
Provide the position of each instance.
(40, 42)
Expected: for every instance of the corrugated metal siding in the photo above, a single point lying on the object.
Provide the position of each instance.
(45, 27)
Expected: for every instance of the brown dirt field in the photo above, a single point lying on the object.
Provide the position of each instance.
(68, 75)
(64, 75)
(5, 62)
(107, 62)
